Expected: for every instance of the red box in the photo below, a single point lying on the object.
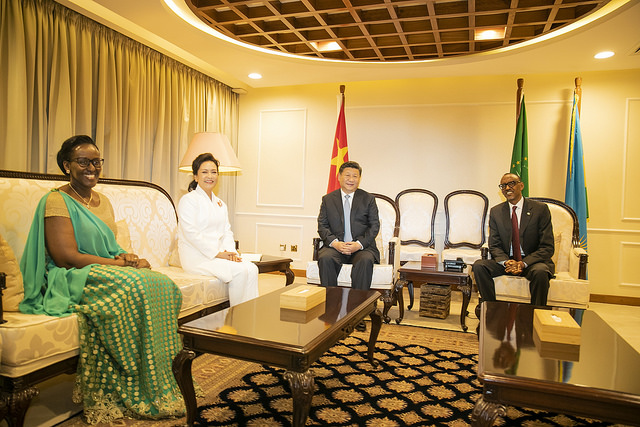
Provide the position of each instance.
(429, 261)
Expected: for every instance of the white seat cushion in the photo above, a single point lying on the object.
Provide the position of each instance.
(382, 275)
(564, 291)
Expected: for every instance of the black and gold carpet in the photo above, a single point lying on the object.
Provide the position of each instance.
(425, 377)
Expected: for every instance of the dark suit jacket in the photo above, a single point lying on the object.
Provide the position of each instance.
(536, 233)
(364, 220)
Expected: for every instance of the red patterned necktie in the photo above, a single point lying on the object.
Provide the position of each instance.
(515, 236)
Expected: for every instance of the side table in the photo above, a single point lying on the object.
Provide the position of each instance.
(270, 263)
(412, 272)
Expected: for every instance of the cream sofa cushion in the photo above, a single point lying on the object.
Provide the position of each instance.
(14, 293)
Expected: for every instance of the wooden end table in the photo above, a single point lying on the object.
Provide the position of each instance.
(255, 331)
(270, 263)
(412, 273)
(604, 382)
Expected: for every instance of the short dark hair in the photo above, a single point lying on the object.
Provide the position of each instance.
(197, 162)
(64, 155)
(514, 174)
(353, 165)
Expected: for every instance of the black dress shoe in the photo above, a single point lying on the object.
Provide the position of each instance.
(361, 327)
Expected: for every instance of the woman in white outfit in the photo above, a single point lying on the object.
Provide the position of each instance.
(205, 240)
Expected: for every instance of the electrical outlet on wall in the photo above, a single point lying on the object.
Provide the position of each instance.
(283, 247)
(294, 248)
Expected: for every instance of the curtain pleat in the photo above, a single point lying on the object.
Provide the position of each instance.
(64, 74)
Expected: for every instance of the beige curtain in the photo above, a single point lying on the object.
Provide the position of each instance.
(63, 74)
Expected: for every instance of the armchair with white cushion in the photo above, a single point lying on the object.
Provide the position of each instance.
(384, 274)
(465, 218)
(569, 287)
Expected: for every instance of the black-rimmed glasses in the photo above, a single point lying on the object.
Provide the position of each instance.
(510, 184)
(83, 162)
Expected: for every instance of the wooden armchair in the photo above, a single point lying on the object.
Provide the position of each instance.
(465, 218)
(384, 274)
(417, 208)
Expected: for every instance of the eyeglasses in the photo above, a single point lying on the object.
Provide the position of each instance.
(508, 184)
(83, 162)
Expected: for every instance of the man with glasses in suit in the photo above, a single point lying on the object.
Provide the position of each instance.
(527, 252)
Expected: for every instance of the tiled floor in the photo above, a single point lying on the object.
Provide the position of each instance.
(624, 319)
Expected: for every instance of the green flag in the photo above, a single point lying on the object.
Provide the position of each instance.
(520, 154)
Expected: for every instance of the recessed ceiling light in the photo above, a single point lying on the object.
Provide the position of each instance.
(604, 54)
(255, 76)
(489, 33)
(326, 46)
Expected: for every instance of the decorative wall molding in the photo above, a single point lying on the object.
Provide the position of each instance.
(631, 157)
(629, 251)
(286, 234)
(281, 177)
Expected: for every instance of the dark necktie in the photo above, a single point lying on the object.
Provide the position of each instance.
(347, 219)
(515, 236)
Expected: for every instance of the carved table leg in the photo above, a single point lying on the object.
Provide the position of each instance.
(376, 323)
(466, 297)
(182, 371)
(15, 404)
(410, 289)
(302, 387)
(485, 413)
(388, 298)
(400, 298)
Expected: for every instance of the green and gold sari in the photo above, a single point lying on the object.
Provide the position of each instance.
(127, 320)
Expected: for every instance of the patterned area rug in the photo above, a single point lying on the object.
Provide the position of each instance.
(425, 377)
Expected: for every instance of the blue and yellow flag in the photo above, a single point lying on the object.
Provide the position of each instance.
(520, 154)
(575, 194)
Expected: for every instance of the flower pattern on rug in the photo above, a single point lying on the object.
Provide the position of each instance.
(412, 386)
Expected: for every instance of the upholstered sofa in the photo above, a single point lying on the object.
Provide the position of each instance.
(35, 348)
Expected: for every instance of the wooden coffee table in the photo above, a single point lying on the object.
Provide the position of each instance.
(270, 263)
(604, 383)
(259, 331)
(412, 273)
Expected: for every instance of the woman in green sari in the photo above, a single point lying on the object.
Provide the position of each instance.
(127, 313)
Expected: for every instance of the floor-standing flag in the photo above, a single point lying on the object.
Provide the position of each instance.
(520, 154)
(575, 194)
(340, 150)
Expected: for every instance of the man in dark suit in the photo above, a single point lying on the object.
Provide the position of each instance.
(527, 253)
(351, 242)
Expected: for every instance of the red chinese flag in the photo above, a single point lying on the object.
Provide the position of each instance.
(340, 151)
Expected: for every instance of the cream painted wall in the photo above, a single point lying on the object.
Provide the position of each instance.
(442, 134)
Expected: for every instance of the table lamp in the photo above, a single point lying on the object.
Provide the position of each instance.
(215, 143)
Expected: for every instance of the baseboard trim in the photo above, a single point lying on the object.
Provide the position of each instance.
(615, 299)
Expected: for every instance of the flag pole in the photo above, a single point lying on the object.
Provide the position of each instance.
(519, 97)
(578, 92)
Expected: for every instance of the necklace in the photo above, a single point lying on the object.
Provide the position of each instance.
(82, 198)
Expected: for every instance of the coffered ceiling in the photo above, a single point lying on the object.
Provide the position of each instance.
(283, 40)
(388, 30)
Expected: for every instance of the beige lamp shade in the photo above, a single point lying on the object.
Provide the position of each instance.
(214, 143)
